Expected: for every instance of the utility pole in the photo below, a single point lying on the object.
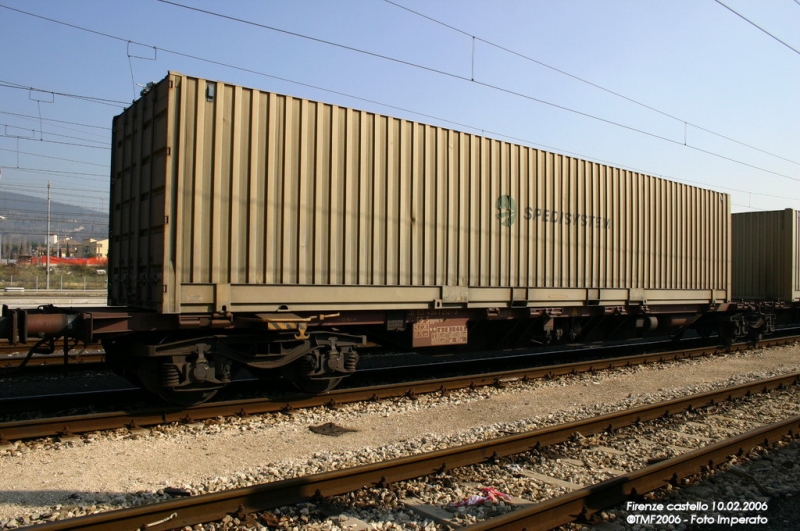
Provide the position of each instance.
(48, 236)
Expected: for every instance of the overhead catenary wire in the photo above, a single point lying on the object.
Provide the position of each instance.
(30, 139)
(73, 174)
(471, 78)
(228, 65)
(55, 158)
(408, 63)
(508, 91)
(41, 133)
(14, 186)
(795, 50)
(55, 123)
(93, 99)
(583, 80)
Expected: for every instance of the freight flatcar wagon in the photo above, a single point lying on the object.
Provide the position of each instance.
(279, 233)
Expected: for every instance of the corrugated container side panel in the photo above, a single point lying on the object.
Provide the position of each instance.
(514, 242)
(445, 208)
(700, 258)
(441, 207)
(482, 242)
(747, 258)
(659, 242)
(289, 200)
(552, 167)
(302, 197)
(789, 245)
(776, 261)
(427, 241)
(603, 252)
(334, 264)
(196, 191)
(642, 231)
(689, 275)
(680, 236)
(385, 199)
(403, 185)
(712, 240)
(537, 203)
(591, 264)
(238, 227)
(699, 214)
(692, 266)
(526, 211)
(561, 229)
(616, 259)
(674, 234)
(709, 238)
(663, 237)
(569, 204)
(795, 246)
(631, 213)
(272, 162)
(584, 175)
(492, 225)
(654, 236)
(411, 217)
(728, 241)
(363, 242)
(668, 216)
(138, 246)
(526, 264)
(696, 224)
(618, 241)
(765, 254)
(621, 223)
(423, 198)
(269, 189)
(558, 242)
(253, 273)
(656, 233)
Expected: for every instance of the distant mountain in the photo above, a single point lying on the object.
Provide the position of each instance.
(26, 220)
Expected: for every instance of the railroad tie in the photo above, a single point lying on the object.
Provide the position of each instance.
(735, 421)
(432, 512)
(549, 480)
(648, 442)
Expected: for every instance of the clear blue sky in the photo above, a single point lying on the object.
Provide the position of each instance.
(696, 64)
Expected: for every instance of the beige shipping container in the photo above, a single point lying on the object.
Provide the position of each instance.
(766, 256)
(226, 198)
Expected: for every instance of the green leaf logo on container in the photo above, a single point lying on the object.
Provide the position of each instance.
(506, 210)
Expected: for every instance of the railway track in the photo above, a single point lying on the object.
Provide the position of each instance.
(13, 356)
(73, 425)
(412, 481)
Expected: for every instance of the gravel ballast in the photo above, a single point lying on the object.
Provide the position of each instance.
(43, 480)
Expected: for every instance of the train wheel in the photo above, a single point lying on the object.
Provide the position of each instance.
(756, 335)
(727, 334)
(297, 374)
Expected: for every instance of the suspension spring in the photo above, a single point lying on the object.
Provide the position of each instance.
(170, 375)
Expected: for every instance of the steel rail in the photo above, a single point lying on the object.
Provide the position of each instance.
(8, 363)
(208, 507)
(76, 424)
(582, 504)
